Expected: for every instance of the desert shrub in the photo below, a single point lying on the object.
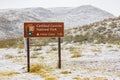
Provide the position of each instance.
(18, 42)
(71, 48)
(97, 50)
(109, 46)
(54, 48)
(100, 78)
(113, 25)
(42, 41)
(37, 48)
(7, 43)
(77, 78)
(103, 23)
(8, 73)
(35, 55)
(66, 72)
(81, 38)
(9, 56)
(11, 43)
(20, 51)
(101, 29)
(21, 46)
(68, 38)
(36, 68)
(76, 55)
(43, 70)
(86, 27)
(51, 78)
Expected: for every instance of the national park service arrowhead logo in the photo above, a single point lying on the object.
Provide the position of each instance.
(30, 28)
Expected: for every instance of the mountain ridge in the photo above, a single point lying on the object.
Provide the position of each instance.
(12, 20)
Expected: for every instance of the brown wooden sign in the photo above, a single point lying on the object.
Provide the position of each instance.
(43, 29)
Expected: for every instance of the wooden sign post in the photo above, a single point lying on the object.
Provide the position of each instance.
(59, 53)
(43, 29)
(28, 55)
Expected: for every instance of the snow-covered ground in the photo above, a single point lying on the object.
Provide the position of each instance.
(79, 62)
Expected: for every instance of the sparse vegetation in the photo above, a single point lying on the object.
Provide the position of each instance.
(9, 43)
(8, 73)
(18, 42)
(102, 32)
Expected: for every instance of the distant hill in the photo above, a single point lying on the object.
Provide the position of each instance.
(11, 21)
(79, 16)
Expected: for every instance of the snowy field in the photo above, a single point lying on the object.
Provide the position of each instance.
(79, 62)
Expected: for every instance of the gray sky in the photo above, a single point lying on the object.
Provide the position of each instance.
(112, 6)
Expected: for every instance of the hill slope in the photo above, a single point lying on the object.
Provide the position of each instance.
(107, 30)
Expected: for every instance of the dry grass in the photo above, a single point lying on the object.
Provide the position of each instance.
(51, 78)
(76, 52)
(21, 46)
(8, 73)
(35, 55)
(96, 50)
(109, 46)
(77, 78)
(36, 68)
(115, 50)
(37, 48)
(118, 75)
(20, 51)
(17, 59)
(76, 55)
(43, 71)
(12, 43)
(54, 49)
(8, 56)
(66, 72)
(71, 48)
(100, 78)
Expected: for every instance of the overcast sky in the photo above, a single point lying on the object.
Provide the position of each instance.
(112, 6)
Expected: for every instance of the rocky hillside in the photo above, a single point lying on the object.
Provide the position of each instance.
(107, 30)
(11, 21)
